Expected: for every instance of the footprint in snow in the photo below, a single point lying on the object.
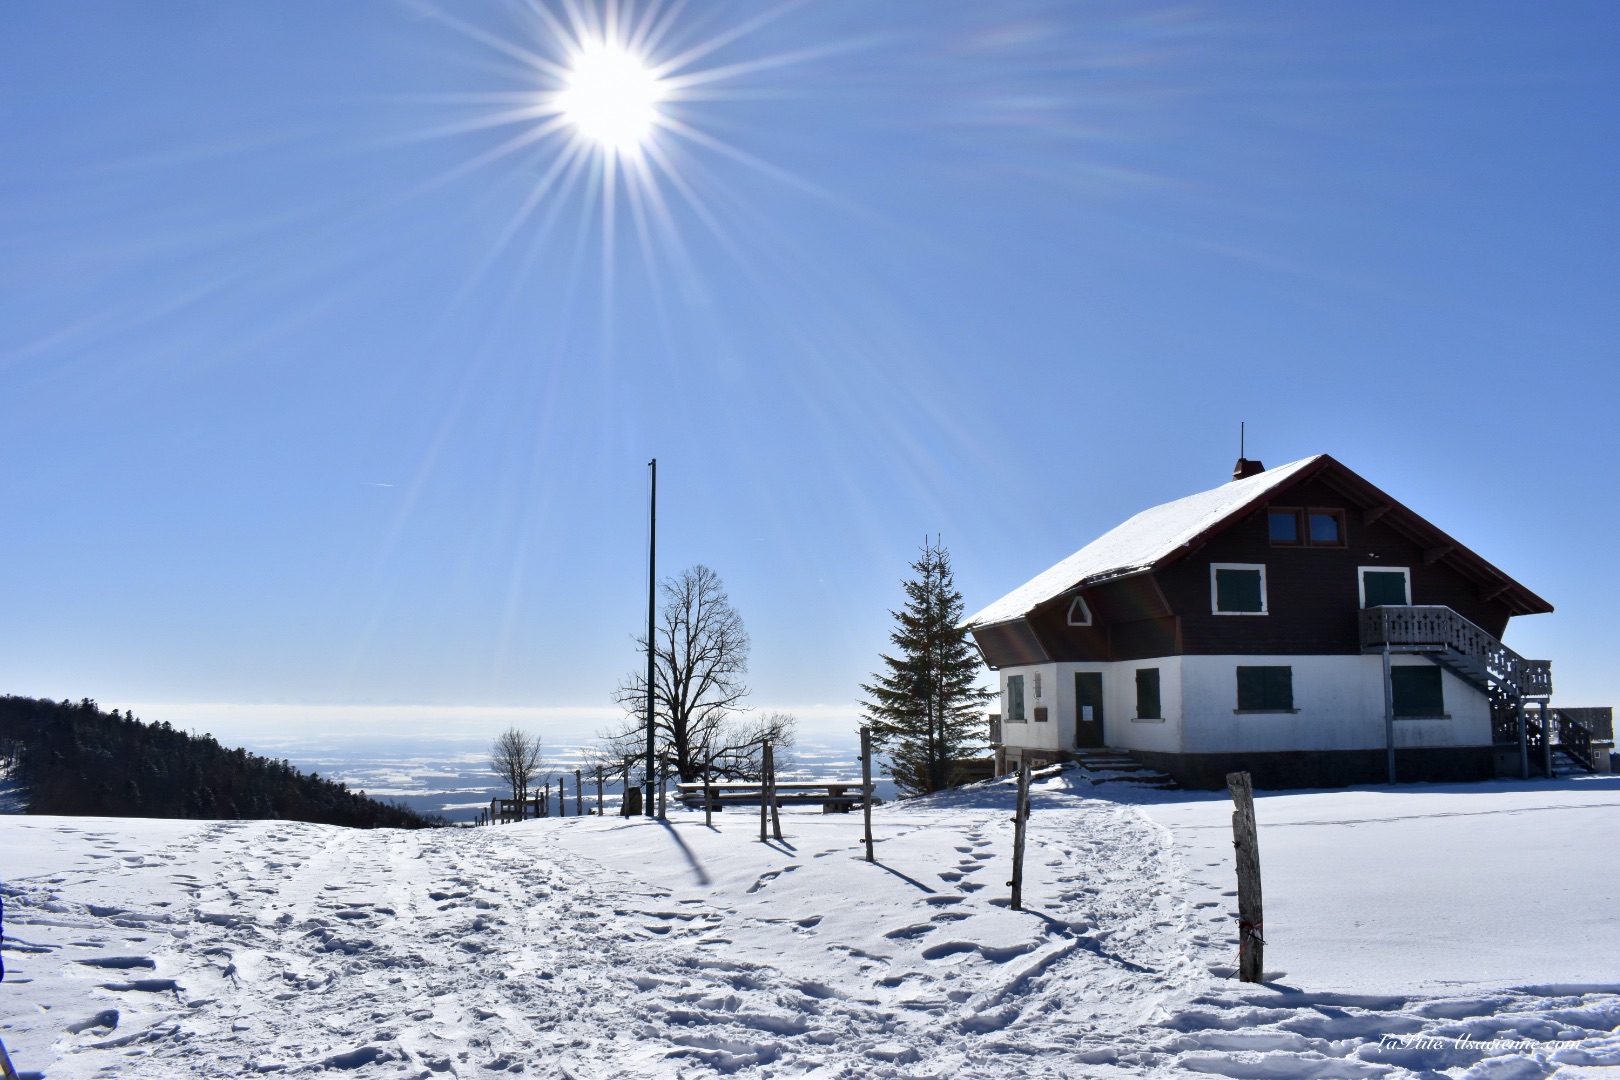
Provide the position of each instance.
(770, 876)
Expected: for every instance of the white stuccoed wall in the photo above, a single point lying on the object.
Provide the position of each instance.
(1037, 736)
(1120, 724)
(1340, 701)
(1341, 707)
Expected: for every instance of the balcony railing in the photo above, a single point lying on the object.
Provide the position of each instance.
(1457, 644)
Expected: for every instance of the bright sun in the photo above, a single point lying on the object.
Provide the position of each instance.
(611, 97)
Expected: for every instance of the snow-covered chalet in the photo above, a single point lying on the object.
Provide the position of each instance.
(1297, 623)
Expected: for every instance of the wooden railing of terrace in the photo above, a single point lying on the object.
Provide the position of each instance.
(1457, 645)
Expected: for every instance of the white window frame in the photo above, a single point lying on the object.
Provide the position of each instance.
(1214, 594)
(1361, 581)
(1079, 612)
(1036, 679)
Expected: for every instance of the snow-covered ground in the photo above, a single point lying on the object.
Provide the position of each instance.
(608, 948)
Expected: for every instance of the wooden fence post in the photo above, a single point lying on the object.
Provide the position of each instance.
(708, 794)
(770, 771)
(764, 790)
(1251, 917)
(866, 787)
(1020, 815)
(599, 810)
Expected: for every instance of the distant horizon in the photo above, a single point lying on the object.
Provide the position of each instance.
(311, 725)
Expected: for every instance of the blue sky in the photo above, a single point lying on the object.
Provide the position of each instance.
(312, 394)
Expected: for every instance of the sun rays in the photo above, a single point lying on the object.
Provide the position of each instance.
(604, 110)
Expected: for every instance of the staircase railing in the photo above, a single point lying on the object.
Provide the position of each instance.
(1436, 628)
(1576, 739)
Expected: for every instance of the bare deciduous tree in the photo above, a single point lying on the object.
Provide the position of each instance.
(515, 758)
(700, 660)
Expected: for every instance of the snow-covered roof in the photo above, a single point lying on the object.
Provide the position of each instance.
(1142, 542)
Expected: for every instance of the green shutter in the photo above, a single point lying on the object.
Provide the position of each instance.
(1147, 694)
(1417, 691)
(1384, 587)
(1015, 697)
(1265, 689)
(1237, 591)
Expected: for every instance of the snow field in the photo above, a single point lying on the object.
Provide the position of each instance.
(608, 948)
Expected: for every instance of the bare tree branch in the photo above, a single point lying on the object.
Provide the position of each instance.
(700, 661)
(516, 758)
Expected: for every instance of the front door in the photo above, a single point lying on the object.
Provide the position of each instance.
(1088, 709)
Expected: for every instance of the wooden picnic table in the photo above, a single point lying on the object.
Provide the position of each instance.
(834, 796)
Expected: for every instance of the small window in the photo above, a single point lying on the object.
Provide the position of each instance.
(1417, 691)
(1327, 528)
(1037, 679)
(1015, 698)
(1382, 585)
(1284, 526)
(1265, 689)
(1147, 694)
(1237, 588)
(1079, 613)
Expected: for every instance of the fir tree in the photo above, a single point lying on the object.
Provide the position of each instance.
(923, 709)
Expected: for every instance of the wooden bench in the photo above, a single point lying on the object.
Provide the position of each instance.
(833, 796)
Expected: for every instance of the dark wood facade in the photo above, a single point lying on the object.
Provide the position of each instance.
(1313, 592)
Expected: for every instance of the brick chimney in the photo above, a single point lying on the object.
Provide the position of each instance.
(1246, 467)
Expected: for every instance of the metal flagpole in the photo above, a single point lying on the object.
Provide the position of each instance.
(652, 583)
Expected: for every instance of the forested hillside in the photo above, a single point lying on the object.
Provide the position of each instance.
(76, 759)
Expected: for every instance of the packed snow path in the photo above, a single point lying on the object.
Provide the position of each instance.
(606, 948)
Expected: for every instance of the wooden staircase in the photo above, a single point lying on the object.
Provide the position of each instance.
(1512, 683)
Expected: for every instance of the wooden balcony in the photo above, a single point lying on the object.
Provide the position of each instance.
(1457, 645)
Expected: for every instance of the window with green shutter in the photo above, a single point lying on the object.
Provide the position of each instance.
(1237, 588)
(1417, 691)
(1380, 586)
(1015, 697)
(1265, 689)
(1147, 694)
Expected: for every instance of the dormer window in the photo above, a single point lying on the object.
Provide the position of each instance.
(1079, 613)
(1237, 588)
